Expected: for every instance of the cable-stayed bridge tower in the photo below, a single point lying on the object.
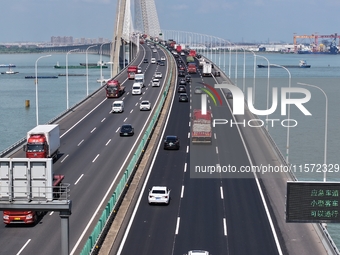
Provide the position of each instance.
(145, 21)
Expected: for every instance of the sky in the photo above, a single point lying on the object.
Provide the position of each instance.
(250, 21)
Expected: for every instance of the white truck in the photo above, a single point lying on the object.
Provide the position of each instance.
(43, 141)
(206, 69)
(139, 78)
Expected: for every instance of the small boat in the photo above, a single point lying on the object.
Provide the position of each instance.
(9, 72)
(7, 65)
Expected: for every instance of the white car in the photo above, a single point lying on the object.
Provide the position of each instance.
(155, 82)
(182, 53)
(154, 51)
(162, 58)
(159, 195)
(198, 252)
(158, 75)
(153, 61)
(136, 89)
(139, 70)
(145, 105)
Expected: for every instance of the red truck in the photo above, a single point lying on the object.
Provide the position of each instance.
(179, 48)
(43, 141)
(192, 68)
(31, 217)
(201, 127)
(192, 53)
(114, 89)
(131, 72)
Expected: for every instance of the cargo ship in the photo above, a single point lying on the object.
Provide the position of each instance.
(79, 67)
(7, 65)
(302, 64)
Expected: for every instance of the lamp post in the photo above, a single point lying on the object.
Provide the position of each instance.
(326, 124)
(101, 62)
(36, 87)
(289, 84)
(244, 69)
(87, 70)
(67, 104)
(268, 76)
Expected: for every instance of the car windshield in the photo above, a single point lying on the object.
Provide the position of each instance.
(117, 105)
(126, 128)
(156, 191)
(171, 139)
(146, 103)
(35, 147)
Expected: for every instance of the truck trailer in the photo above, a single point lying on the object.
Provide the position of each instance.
(131, 72)
(206, 69)
(43, 141)
(201, 127)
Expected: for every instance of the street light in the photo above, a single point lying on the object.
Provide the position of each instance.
(87, 70)
(268, 76)
(101, 62)
(67, 105)
(244, 69)
(36, 87)
(326, 124)
(289, 84)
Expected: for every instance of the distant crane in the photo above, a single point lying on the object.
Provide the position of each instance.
(333, 46)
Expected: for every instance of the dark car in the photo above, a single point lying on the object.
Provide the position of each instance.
(181, 74)
(181, 67)
(217, 74)
(181, 89)
(171, 142)
(188, 78)
(126, 130)
(145, 60)
(182, 82)
(183, 97)
(229, 95)
(161, 63)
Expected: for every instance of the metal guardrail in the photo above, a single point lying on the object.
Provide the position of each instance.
(122, 185)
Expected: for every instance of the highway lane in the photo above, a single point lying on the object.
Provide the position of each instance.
(147, 235)
(224, 216)
(90, 176)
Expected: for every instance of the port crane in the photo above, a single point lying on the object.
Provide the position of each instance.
(315, 37)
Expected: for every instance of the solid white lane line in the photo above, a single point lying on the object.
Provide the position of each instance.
(95, 158)
(80, 142)
(103, 120)
(177, 226)
(64, 158)
(221, 189)
(108, 142)
(93, 130)
(182, 191)
(78, 179)
(225, 226)
(23, 247)
(185, 167)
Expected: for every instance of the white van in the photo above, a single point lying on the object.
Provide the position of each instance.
(137, 88)
(117, 106)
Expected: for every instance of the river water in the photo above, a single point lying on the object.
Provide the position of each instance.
(306, 140)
